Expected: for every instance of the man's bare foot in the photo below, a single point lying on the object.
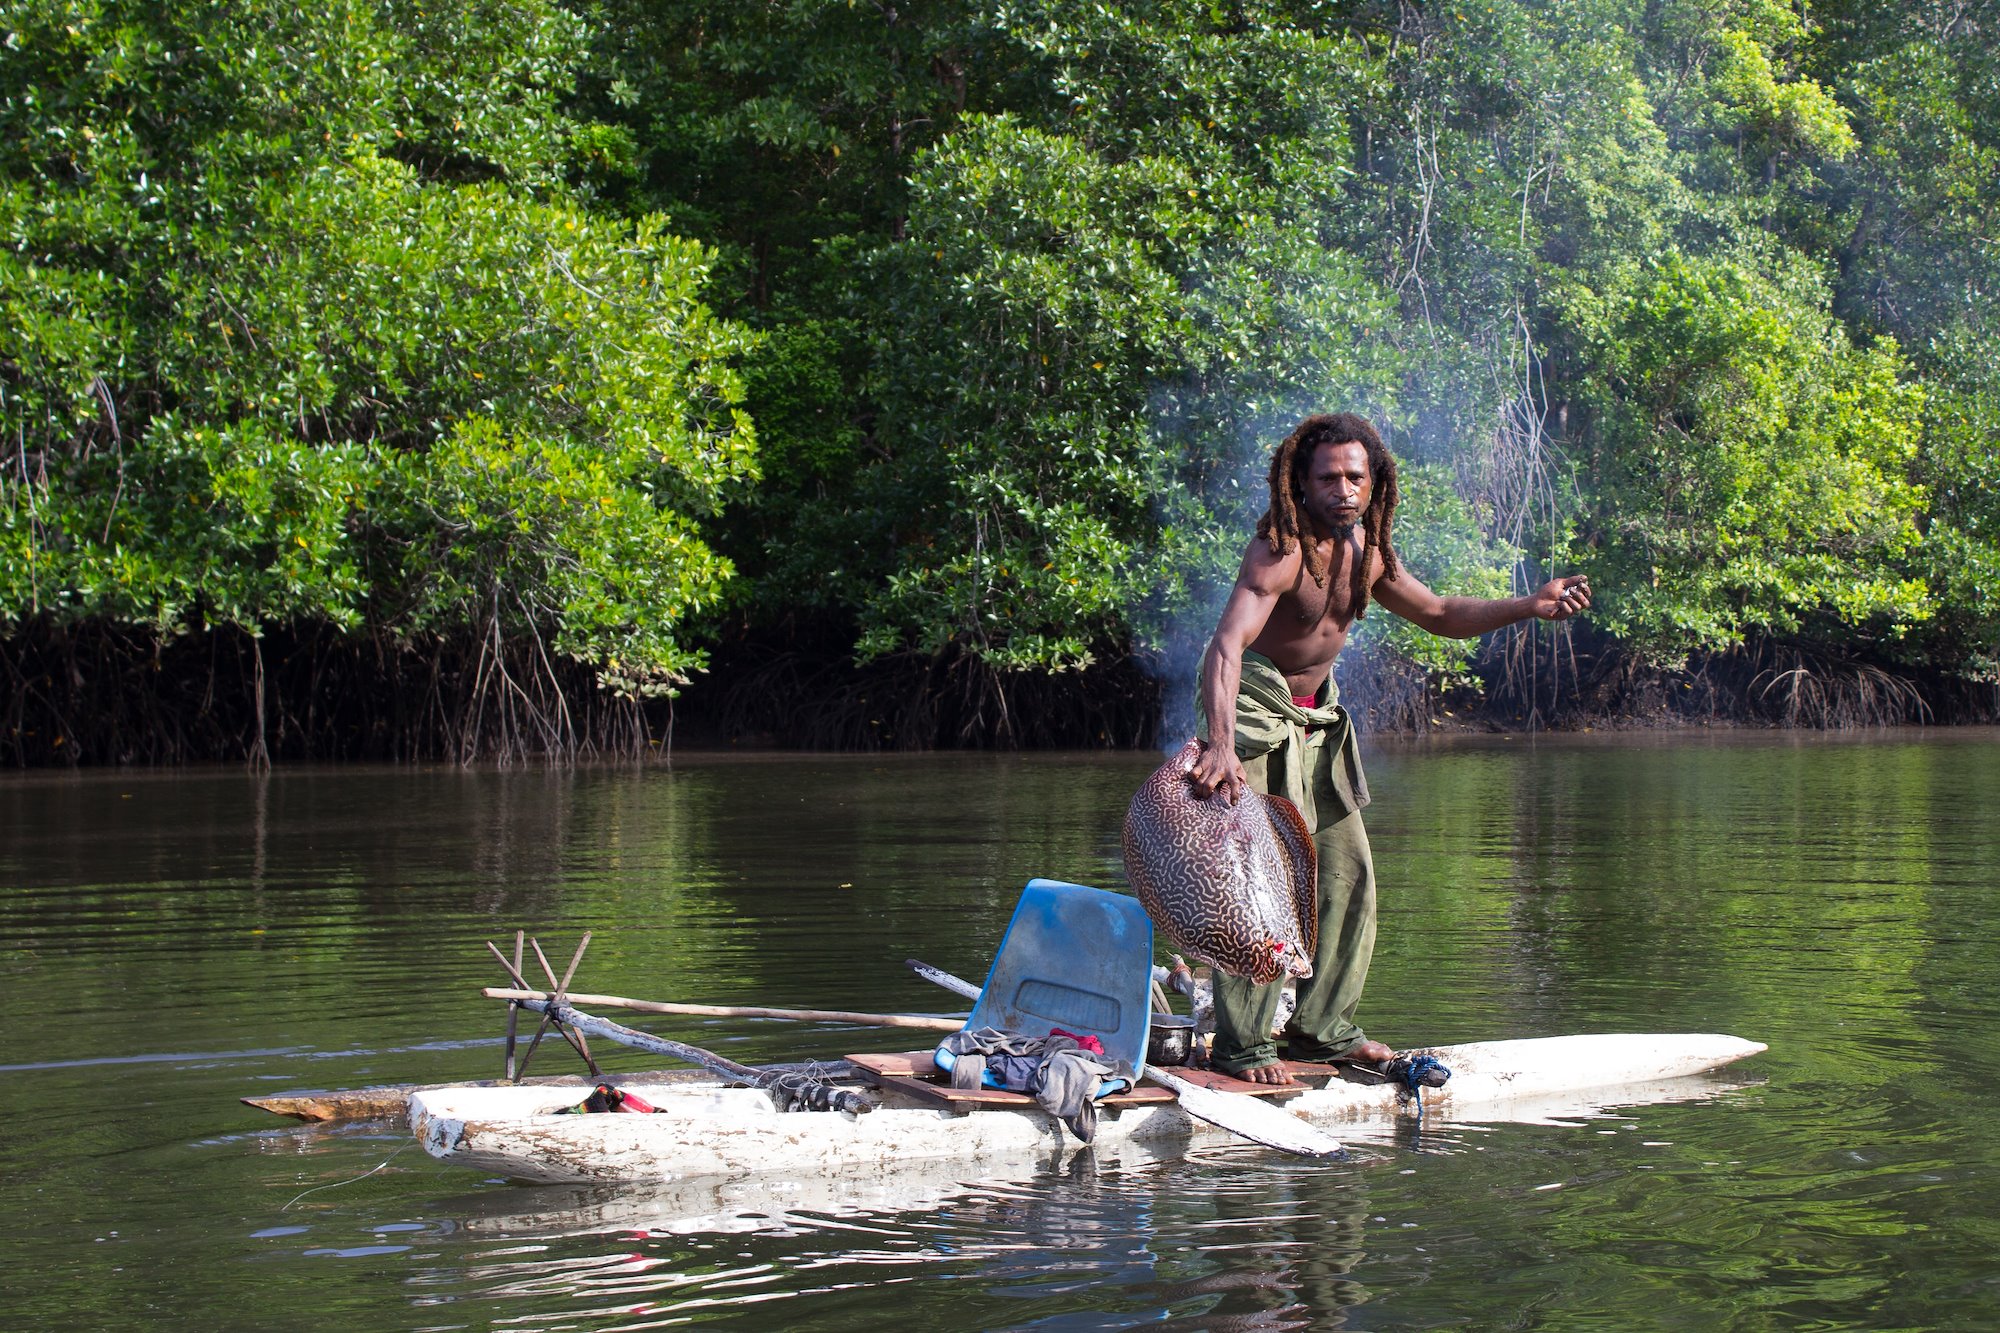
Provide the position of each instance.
(1275, 1075)
(1368, 1052)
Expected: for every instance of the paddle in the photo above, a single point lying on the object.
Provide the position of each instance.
(1260, 1122)
(839, 1099)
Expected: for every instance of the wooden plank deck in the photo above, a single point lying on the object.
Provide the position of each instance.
(916, 1076)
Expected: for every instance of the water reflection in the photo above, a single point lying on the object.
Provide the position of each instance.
(1077, 1244)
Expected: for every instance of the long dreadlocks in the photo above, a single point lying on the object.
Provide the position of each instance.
(1282, 524)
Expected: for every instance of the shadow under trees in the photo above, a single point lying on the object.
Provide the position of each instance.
(101, 693)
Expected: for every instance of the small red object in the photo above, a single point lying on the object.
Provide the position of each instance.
(1086, 1041)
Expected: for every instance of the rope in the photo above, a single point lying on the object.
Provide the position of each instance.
(1417, 1072)
(801, 1091)
(363, 1176)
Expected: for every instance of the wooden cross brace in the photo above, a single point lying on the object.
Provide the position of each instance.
(557, 991)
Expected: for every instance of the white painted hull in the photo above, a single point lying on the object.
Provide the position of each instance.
(789, 1202)
(713, 1131)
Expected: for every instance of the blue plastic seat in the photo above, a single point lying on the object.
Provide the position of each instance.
(1074, 958)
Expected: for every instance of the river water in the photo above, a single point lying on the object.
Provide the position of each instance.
(174, 942)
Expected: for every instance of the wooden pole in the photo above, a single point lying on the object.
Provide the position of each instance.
(561, 988)
(513, 1010)
(920, 1021)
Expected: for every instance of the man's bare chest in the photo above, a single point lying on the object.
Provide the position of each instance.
(1306, 631)
(1316, 607)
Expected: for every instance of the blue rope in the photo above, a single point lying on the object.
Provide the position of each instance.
(1418, 1073)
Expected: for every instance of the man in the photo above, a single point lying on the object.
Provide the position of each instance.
(1270, 717)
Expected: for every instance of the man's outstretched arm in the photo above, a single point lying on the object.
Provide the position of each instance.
(1469, 617)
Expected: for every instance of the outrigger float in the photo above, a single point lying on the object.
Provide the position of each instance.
(1074, 958)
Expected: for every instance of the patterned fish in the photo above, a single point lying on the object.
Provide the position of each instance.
(1234, 885)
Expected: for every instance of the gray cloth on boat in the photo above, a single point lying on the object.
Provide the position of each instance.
(1057, 1072)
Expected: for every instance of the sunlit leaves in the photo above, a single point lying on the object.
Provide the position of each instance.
(1757, 468)
(300, 325)
(1114, 312)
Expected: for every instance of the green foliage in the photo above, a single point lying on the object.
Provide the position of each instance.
(299, 325)
(1960, 469)
(1756, 468)
(1111, 312)
(1795, 114)
(380, 316)
(1601, 258)
(769, 129)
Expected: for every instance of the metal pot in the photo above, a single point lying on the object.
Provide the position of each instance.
(1169, 1039)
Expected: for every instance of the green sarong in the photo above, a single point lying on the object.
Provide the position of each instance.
(1310, 757)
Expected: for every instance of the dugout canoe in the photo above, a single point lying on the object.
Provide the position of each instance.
(708, 1130)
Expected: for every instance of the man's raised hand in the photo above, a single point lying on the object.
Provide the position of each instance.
(1559, 599)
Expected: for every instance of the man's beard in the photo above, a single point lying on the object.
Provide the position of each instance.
(1342, 531)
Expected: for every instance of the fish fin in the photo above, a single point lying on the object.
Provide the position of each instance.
(1206, 959)
(1303, 859)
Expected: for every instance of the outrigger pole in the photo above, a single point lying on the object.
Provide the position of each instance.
(921, 1022)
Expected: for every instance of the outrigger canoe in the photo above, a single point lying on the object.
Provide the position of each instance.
(702, 1130)
(1074, 960)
